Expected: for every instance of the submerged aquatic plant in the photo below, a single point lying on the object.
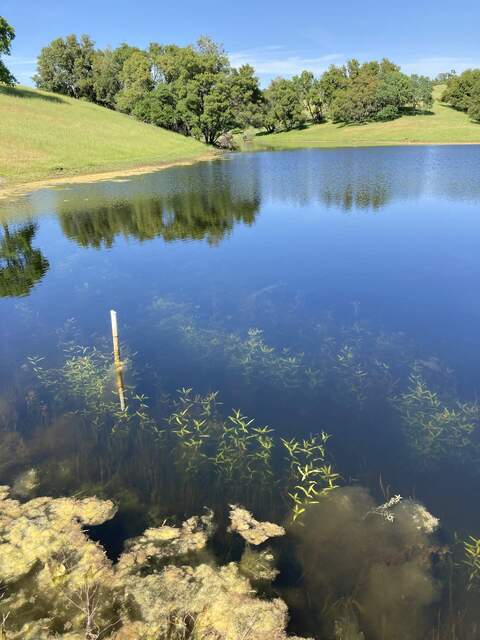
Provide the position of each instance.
(244, 451)
(235, 449)
(193, 424)
(251, 355)
(366, 575)
(309, 475)
(433, 428)
(240, 454)
(85, 384)
(349, 364)
(166, 584)
(472, 561)
(385, 510)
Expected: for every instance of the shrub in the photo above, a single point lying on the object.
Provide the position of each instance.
(389, 112)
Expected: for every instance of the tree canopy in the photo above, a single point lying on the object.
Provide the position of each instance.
(463, 93)
(7, 34)
(374, 90)
(66, 66)
(193, 90)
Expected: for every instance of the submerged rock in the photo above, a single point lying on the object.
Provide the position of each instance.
(251, 530)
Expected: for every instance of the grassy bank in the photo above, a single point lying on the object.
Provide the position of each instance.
(43, 136)
(443, 126)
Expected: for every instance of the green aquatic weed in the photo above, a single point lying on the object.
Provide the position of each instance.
(243, 450)
(85, 384)
(192, 423)
(472, 561)
(310, 477)
(433, 428)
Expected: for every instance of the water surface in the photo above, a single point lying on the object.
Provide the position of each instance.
(306, 287)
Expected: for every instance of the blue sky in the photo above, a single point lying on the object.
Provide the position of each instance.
(276, 37)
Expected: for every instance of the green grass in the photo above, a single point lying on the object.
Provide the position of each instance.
(43, 135)
(443, 126)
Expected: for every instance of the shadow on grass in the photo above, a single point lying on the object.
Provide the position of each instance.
(417, 112)
(300, 127)
(17, 92)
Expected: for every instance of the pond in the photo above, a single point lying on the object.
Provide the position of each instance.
(315, 292)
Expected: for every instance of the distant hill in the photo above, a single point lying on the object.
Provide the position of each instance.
(44, 135)
(443, 125)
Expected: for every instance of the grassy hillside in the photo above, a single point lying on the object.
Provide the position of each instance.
(43, 135)
(444, 125)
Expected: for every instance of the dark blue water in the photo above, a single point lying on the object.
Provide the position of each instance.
(353, 270)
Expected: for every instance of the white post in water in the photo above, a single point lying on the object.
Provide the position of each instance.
(117, 361)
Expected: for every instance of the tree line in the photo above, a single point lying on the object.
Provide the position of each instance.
(194, 90)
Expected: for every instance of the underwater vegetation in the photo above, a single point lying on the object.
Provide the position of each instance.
(347, 364)
(369, 571)
(341, 367)
(472, 561)
(85, 384)
(310, 475)
(166, 585)
(435, 428)
(343, 545)
(367, 575)
(232, 453)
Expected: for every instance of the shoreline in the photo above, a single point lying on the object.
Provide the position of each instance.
(18, 189)
(8, 191)
(373, 145)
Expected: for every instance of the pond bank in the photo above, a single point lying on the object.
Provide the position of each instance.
(22, 188)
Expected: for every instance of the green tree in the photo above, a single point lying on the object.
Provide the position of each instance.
(136, 79)
(247, 97)
(196, 92)
(394, 90)
(7, 34)
(284, 108)
(443, 78)
(332, 83)
(107, 67)
(21, 266)
(218, 113)
(66, 66)
(359, 101)
(474, 108)
(462, 91)
(158, 107)
(311, 94)
(357, 93)
(422, 92)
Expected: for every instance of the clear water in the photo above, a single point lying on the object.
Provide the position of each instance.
(356, 261)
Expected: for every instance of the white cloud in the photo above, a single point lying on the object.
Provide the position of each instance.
(277, 61)
(272, 61)
(432, 66)
(22, 68)
(21, 60)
